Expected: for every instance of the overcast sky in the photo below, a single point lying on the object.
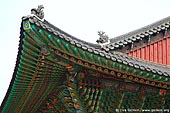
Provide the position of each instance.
(80, 18)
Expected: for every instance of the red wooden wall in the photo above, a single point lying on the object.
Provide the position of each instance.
(157, 52)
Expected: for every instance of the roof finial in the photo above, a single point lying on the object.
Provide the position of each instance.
(38, 12)
(103, 38)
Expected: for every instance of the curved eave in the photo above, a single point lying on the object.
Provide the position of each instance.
(119, 58)
(15, 70)
(23, 84)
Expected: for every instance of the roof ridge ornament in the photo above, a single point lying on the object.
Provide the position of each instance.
(38, 12)
(103, 38)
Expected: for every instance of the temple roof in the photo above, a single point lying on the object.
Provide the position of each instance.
(139, 34)
(45, 50)
(114, 56)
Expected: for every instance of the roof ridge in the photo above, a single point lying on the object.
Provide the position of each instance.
(145, 28)
(139, 34)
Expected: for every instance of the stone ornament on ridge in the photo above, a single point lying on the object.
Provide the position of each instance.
(38, 12)
(103, 38)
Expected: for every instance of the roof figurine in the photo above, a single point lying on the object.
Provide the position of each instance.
(38, 12)
(103, 38)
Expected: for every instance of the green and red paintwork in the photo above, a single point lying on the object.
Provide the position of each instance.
(54, 76)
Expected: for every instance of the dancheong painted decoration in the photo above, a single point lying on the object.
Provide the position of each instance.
(58, 73)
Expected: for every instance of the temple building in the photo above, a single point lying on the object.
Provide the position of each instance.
(56, 72)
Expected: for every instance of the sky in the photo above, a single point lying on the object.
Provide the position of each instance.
(80, 18)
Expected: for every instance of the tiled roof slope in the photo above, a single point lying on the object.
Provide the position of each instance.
(138, 34)
(68, 35)
(114, 56)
